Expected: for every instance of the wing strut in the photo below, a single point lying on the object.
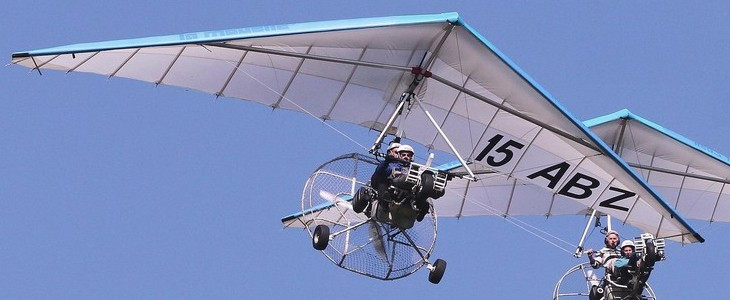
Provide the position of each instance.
(419, 73)
(579, 249)
(441, 132)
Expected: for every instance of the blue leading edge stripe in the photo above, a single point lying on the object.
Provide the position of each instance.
(626, 114)
(243, 33)
(606, 150)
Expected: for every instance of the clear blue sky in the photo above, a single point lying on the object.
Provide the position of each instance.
(117, 189)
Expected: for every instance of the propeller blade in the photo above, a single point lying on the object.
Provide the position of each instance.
(377, 238)
(335, 199)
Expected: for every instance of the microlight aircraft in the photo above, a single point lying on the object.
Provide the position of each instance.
(429, 79)
(691, 177)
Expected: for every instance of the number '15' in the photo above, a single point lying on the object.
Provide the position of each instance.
(504, 149)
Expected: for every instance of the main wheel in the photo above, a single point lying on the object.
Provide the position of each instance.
(321, 237)
(426, 186)
(650, 250)
(595, 293)
(435, 275)
(361, 200)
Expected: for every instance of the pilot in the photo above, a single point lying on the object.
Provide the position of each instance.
(381, 174)
(378, 181)
(405, 153)
(392, 151)
(396, 170)
(607, 256)
(391, 170)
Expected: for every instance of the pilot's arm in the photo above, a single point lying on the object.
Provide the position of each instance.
(595, 261)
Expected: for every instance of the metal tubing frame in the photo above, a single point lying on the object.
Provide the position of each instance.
(310, 56)
(579, 250)
(391, 120)
(332, 235)
(446, 138)
(415, 247)
(408, 93)
(413, 85)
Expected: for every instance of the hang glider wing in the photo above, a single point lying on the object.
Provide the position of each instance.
(693, 179)
(509, 129)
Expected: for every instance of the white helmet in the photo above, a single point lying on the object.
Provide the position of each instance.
(393, 145)
(405, 148)
(627, 243)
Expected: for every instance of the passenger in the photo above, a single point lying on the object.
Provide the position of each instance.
(381, 175)
(607, 256)
(628, 256)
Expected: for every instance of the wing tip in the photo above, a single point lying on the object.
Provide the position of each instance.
(699, 237)
(20, 55)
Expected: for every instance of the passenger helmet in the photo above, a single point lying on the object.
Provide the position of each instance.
(405, 148)
(627, 243)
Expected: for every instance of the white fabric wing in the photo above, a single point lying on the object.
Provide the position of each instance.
(692, 178)
(534, 157)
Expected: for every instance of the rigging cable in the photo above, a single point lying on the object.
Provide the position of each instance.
(297, 105)
(510, 219)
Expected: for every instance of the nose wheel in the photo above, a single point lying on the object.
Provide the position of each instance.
(436, 271)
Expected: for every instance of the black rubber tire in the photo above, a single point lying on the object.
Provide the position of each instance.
(435, 275)
(321, 237)
(595, 293)
(361, 200)
(651, 256)
(426, 186)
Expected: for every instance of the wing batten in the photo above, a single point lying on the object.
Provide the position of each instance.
(282, 95)
(393, 93)
(516, 113)
(344, 86)
(692, 175)
(38, 66)
(169, 66)
(486, 128)
(527, 147)
(463, 200)
(312, 56)
(550, 208)
(684, 174)
(230, 76)
(124, 62)
(681, 189)
(717, 202)
(320, 69)
(448, 113)
(511, 197)
(82, 62)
